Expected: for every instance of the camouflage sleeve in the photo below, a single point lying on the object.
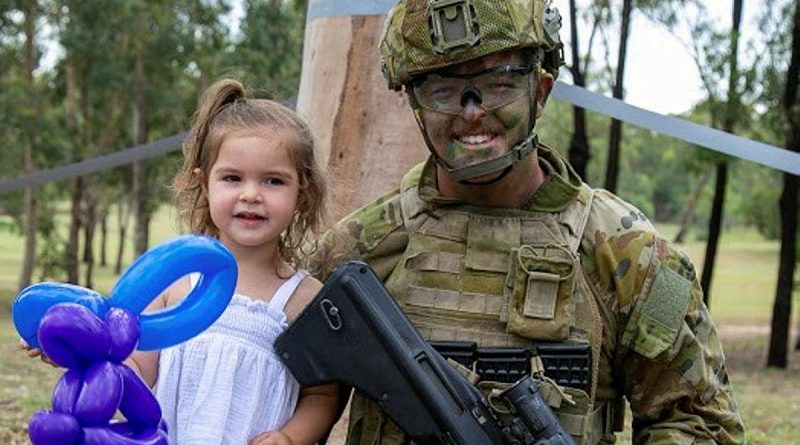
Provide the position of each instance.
(671, 359)
(374, 234)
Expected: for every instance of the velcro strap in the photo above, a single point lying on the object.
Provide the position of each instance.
(541, 294)
(591, 427)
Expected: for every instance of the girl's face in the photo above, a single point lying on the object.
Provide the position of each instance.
(252, 190)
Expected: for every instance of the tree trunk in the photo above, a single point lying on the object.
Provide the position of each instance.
(30, 217)
(579, 152)
(366, 134)
(122, 219)
(88, 202)
(139, 208)
(71, 260)
(782, 309)
(714, 228)
(359, 123)
(72, 117)
(31, 227)
(90, 223)
(103, 236)
(615, 133)
(139, 189)
(728, 124)
(691, 206)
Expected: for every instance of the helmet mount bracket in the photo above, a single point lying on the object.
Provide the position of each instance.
(452, 25)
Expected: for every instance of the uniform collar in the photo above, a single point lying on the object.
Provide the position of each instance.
(561, 185)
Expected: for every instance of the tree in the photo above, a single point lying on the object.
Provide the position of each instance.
(269, 52)
(662, 12)
(615, 132)
(729, 121)
(28, 123)
(579, 151)
(29, 56)
(782, 308)
(716, 55)
(31, 196)
(191, 32)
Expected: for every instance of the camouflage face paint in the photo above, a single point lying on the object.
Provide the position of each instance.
(475, 135)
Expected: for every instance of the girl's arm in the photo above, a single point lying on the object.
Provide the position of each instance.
(317, 406)
(315, 414)
(145, 363)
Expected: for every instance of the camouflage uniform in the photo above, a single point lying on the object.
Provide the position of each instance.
(454, 269)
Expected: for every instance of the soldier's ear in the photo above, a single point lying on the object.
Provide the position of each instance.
(543, 88)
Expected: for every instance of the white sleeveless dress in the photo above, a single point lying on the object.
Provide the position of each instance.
(226, 385)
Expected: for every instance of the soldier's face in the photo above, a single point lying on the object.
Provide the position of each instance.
(476, 134)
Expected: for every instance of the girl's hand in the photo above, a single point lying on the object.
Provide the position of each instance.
(271, 438)
(34, 352)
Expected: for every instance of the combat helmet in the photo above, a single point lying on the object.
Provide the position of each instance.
(425, 35)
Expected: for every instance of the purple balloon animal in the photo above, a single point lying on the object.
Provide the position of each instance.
(96, 384)
(90, 335)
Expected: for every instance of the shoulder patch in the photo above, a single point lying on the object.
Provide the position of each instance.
(668, 299)
(660, 315)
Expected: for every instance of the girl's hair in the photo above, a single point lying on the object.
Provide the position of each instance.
(225, 111)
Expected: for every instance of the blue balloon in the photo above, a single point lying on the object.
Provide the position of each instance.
(141, 283)
(32, 302)
(91, 335)
(159, 267)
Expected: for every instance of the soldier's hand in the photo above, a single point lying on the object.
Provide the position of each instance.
(35, 352)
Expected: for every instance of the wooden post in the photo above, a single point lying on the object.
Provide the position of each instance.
(367, 134)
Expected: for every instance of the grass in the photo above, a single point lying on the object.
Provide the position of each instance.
(742, 294)
(769, 399)
(25, 386)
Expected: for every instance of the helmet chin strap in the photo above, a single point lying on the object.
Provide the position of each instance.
(504, 162)
(511, 157)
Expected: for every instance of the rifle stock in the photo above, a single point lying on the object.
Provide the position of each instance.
(353, 332)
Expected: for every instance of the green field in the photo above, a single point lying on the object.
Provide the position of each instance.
(742, 293)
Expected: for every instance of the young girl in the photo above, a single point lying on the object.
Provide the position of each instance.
(250, 179)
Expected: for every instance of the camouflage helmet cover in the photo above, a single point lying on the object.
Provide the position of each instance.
(426, 35)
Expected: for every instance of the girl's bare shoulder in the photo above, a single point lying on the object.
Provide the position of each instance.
(306, 291)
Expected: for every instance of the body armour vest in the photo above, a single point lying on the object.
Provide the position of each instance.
(505, 277)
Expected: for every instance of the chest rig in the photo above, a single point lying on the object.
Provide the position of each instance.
(503, 278)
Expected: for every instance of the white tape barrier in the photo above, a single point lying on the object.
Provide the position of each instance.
(318, 9)
(100, 163)
(730, 144)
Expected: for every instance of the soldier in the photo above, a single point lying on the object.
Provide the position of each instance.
(495, 240)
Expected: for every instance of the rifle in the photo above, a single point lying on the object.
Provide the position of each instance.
(354, 333)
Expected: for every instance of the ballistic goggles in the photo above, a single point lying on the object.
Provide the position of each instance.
(491, 89)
